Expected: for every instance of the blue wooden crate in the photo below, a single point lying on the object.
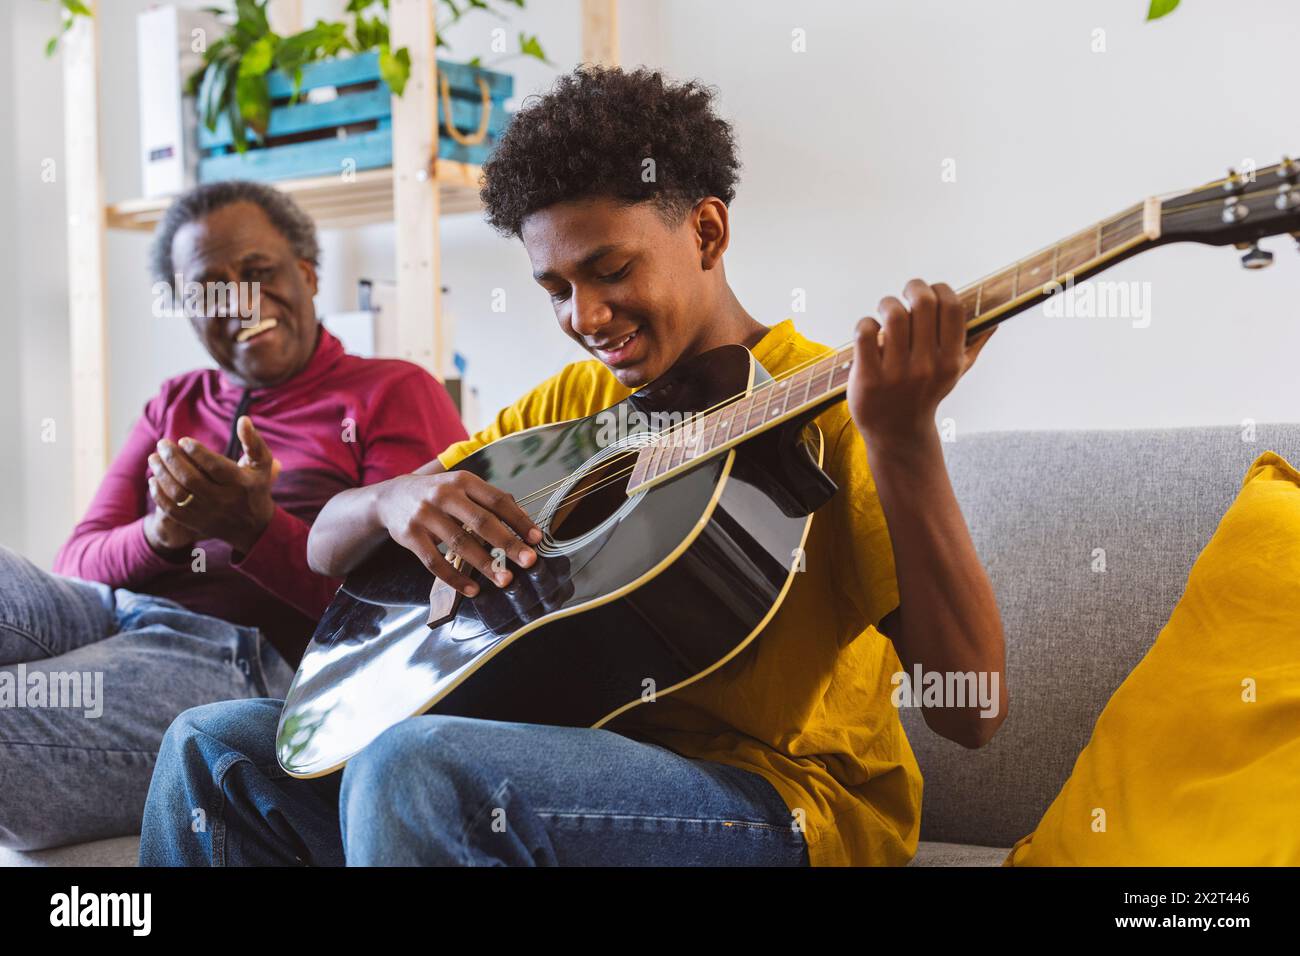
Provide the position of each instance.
(363, 104)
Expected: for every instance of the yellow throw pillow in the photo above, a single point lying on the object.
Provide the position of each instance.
(1196, 759)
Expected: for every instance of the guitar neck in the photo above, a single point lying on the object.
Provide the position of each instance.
(1020, 286)
(985, 303)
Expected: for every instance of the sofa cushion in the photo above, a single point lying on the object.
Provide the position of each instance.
(1088, 538)
(117, 851)
(1196, 757)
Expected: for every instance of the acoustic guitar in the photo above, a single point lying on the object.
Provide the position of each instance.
(673, 522)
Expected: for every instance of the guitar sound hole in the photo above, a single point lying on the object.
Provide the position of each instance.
(591, 502)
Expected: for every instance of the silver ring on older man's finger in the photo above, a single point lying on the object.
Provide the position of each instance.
(186, 501)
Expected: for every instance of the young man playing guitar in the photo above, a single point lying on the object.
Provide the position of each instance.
(791, 753)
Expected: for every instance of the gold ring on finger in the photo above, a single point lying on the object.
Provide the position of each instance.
(188, 499)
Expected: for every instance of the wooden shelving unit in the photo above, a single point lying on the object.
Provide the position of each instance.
(334, 204)
(414, 193)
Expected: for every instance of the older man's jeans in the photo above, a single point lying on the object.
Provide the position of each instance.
(440, 790)
(90, 679)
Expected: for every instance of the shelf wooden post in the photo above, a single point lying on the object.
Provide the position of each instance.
(600, 32)
(84, 186)
(418, 334)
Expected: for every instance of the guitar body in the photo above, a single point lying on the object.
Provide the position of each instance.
(647, 592)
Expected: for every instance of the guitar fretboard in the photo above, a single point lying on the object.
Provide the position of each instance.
(1004, 292)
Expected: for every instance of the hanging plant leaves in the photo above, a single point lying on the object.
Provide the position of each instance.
(71, 10)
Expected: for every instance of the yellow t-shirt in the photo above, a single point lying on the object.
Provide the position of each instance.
(807, 704)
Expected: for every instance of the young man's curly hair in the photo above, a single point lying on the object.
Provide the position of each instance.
(591, 136)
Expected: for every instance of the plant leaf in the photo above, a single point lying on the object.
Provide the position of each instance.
(395, 68)
(1160, 8)
(530, 46)
(365, 38)
(212, 92)
(77, 8)
(238, 132)
(254, 100)
(257, 59)
(51, 46)
(254, 12)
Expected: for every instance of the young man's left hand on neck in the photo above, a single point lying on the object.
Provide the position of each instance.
(947, 619)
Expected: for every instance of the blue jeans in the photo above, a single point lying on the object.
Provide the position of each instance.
(438, 790)
(90, 679)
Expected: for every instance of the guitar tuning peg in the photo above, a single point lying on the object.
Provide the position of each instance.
(1235, 182)
(1257, 258)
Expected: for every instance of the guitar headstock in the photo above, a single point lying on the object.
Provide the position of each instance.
(1239, 210)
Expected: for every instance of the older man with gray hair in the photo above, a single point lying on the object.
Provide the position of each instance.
(187, 580)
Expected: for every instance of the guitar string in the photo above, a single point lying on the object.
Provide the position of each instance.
(789, 373)
(1138, 207)
(1124, 214)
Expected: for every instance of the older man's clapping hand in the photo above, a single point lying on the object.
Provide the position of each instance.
(201, 494)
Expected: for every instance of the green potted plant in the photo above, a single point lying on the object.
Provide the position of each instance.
(234, 79)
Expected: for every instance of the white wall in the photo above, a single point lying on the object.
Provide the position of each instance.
(36, 317)
(12, 526)
(842, 193)
(841, 196)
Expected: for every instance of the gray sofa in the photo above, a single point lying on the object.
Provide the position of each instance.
(1038, 505)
